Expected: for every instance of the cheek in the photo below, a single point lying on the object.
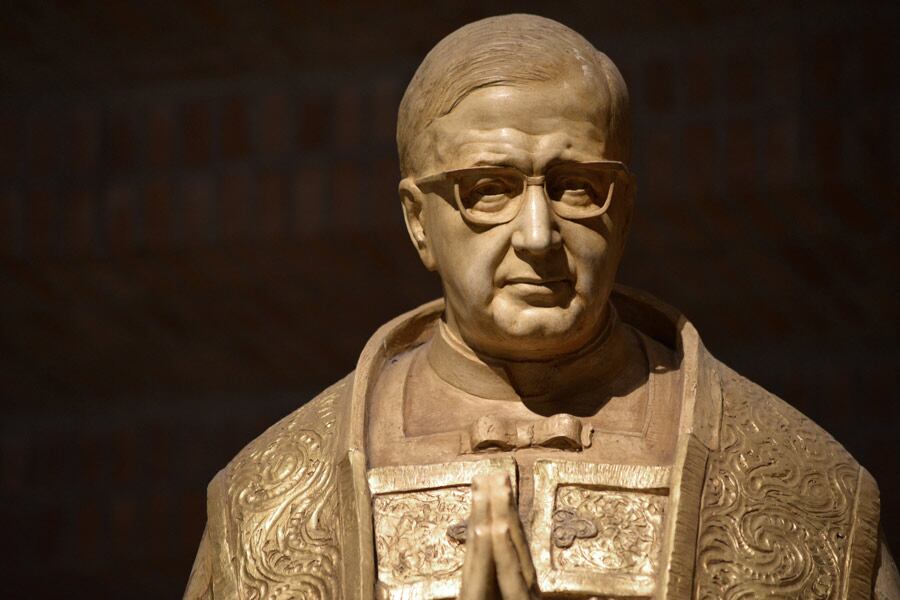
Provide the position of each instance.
(467, 260)
(440, 229)
(588, 255)
(480, 254)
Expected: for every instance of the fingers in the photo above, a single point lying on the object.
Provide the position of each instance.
(498, 562)
(478, 576)
(515, 569)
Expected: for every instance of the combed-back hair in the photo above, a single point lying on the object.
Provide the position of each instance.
(511, 50)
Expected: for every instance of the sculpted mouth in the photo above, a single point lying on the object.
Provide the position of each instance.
(536, 280)
(540, 291)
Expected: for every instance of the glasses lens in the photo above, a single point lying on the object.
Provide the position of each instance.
(489, 195)
(581, 192)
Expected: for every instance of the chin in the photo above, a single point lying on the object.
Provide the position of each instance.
(544, 331)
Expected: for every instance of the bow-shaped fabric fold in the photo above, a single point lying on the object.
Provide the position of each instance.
(561, 432)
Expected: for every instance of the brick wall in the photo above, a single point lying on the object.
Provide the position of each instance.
(189, 255)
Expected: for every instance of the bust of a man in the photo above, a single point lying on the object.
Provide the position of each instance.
(539, 432)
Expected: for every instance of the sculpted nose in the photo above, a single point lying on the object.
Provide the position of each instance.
(536, 230)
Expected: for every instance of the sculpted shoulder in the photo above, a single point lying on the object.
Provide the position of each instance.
(272, 511)
(308, 428)
(751, 410)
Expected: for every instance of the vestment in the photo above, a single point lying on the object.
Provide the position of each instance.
(758, 500)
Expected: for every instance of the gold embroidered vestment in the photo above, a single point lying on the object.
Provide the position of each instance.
(760, 501)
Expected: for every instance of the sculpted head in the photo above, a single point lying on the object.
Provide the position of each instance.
(513, 138)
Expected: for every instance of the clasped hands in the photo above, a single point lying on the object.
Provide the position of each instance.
(498, 563)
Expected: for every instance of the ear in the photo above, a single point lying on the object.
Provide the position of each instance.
(413, 200)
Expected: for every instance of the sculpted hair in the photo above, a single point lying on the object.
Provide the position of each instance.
(513, 50)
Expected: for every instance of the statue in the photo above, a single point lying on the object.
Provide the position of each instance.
(539, 432)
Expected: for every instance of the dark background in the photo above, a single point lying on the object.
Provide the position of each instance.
(199, 230)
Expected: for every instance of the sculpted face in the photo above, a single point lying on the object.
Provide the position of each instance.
(534, 287)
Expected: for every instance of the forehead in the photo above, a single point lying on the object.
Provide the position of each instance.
(523, 125)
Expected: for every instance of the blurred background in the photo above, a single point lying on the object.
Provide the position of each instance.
(199, 230)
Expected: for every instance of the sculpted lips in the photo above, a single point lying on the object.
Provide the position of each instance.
(540, 291)
(544, 281)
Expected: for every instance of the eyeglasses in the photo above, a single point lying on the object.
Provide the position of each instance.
(494, 195)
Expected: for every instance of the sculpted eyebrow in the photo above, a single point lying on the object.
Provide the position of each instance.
(502, 160)
(505, 162)
(557, 162)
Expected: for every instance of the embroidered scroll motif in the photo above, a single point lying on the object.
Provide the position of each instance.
(412, 540)
(622, 533)
(284, 505)
(777, 505)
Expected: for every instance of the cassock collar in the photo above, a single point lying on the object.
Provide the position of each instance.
(458, 365)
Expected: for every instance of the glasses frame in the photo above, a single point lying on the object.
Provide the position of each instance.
(454, 175)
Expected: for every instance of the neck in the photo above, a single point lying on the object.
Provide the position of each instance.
(596, 366)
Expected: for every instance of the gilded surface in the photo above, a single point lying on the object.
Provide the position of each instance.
(777, 509)
(627, 529)
(199, 585)
(412, 533)
(598, 529)
(284, 503)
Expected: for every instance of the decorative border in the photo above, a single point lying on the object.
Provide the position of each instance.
(548, 476)
(859, 565)
(408, 478)
(677, 556)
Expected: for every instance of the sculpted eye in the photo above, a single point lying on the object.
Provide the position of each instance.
(489, 194)
(576, 191)
(491, 187)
